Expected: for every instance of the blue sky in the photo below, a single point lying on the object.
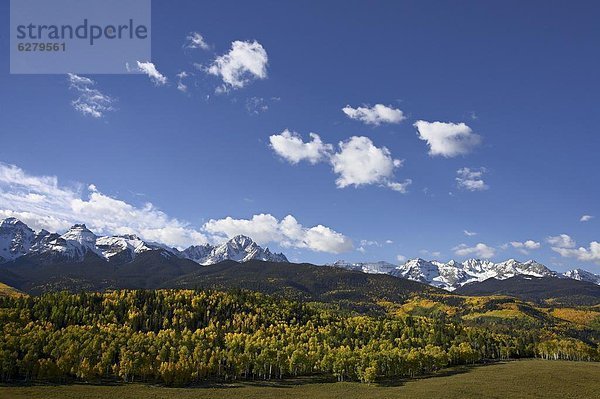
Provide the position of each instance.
(514, 86)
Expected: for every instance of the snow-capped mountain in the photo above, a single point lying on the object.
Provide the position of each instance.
(583, 275)
(366, 267)
(123, 247)
(453, 274)
(240, 249)
(73, 245)
(434, 273)
(17, 240)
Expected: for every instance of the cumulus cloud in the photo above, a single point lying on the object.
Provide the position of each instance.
(42, 203)
(566, 247)
(471, 180)
(401, 258)
(480, 250)
(561, 241)
(196, 40)
(591, 254)
(526, 246)
(245, 62)
(287, 232)
(447, 139)
(529, 244)
(91, 101)
(375, 115)
(150, 69)
(358, 162)
(586, 218)
(290, 146)
(469, 233)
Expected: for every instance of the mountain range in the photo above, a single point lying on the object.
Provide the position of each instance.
(453, 274)
(17, 240)
(30, 259)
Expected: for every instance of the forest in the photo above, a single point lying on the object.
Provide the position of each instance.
(183, 337)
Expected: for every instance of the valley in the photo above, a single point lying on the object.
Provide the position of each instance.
(81, 308)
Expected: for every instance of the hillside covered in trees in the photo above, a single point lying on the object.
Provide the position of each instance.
(181, 337)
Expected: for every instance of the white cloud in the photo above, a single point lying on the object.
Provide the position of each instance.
(369, 243)
(182, 87)
(526, 246)
(469, 233)
(91, 102)
(359, 162)
(196, 40)
(586, 218)
(471, 179)
(529, 244)
(566, 247)
(246, 61)
(375, 115)
(561, 241)
(426, 252)
(480, 250)
(150, 69)
(401, 258)
(42, 203)
(447, 139)
(288, 232)
(591, 254)
(256, 105)
(289, 146)
(80, 82)
(399, 187)
(389, 241)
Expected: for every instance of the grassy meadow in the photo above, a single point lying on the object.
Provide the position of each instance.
(516, 379)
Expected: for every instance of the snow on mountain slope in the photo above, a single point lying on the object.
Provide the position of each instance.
(418, 270)
(453, 274)
(79, 234)
(197, 253)
(240, 249)
(582, 275)
(16, 240)
(125, 246)
(366, 267)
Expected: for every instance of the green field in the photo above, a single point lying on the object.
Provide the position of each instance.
(517, 379)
